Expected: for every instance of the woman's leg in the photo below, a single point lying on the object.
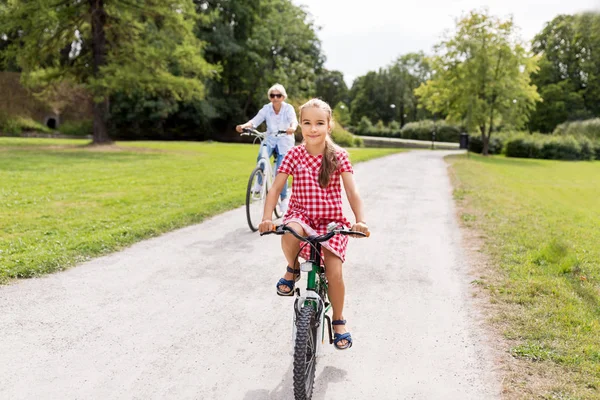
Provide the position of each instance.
(290, 246)
(278, 162)
(337, 290)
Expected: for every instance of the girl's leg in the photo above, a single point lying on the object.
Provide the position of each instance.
(290, 246)
(337, 290)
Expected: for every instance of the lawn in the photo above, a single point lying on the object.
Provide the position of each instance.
(62, 202)
(541, 224)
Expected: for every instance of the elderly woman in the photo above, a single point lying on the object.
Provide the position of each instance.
(279, 116)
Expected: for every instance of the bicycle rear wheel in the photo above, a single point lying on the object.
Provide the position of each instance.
(255, 199)
(305, 352)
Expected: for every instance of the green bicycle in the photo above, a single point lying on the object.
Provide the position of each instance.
(310, 310)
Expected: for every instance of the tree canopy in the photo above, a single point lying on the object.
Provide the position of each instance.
(481, 76)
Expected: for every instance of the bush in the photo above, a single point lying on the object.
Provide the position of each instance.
(523, 147)
(344, 138)
(568, 148)
(77, 128)
(341, 114)
(495, 146)
(15, 125)
(561, 148)
(589, 128)
(422, 130)
(364, 126)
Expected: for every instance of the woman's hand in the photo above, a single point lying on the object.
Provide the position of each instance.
(239, 128)
(266, 226)
(290, 131)
(360, 227)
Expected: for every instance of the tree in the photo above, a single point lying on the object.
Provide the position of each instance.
(481, 76)
(330, 86)
(388, 94)
(258, 43)
(568, 77)
(118, 46)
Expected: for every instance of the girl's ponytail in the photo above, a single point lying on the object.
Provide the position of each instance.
(329, 163)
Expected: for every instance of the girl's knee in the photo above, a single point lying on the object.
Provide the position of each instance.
(333, 265)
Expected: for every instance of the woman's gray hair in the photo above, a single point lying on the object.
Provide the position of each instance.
(278, 87)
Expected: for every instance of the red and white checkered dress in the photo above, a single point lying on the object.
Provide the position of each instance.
(312, 206)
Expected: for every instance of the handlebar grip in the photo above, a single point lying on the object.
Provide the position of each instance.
(273, 230)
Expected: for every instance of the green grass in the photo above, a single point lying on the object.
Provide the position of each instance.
(541, 220)
(62, 202)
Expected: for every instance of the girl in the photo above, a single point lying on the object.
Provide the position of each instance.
(317, 166)
(278, 115)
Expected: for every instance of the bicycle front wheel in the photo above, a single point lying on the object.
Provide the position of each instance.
(256, 195)
(305, 353)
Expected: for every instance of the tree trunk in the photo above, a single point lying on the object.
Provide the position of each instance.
(98, 14)
(486, 144)
(402, 122)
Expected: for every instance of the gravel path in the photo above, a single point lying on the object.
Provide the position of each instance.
(193, 314)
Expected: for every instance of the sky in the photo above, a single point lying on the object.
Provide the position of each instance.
(361, 36)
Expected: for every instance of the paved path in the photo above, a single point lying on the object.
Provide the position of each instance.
(193, 314)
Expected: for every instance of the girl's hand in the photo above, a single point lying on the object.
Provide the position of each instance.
(360, 227)
(266, 226)
(239, 128)
(290, 131)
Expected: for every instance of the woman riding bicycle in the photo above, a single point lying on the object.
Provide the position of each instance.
(279, 116)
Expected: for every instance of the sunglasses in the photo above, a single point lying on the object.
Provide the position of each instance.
(273, 95)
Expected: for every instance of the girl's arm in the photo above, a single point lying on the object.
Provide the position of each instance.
(266, 224)
(355, 202)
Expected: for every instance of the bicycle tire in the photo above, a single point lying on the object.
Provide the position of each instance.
(254, 220)
(305, 351)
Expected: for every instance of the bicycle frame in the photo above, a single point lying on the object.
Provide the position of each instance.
(315, 296)
(264, 161)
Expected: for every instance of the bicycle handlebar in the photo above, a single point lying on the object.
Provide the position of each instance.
(252, 131)
(282, 229)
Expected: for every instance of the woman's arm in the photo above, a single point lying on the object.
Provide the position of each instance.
(294, 120)
(355, 202)
(254, 122)
(278, 183)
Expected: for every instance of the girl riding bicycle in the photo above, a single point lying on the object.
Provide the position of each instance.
(318, 166)
(279, 116)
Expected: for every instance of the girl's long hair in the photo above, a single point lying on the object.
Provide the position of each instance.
(330, 161)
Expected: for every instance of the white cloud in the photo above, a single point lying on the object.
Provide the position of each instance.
(360, 36)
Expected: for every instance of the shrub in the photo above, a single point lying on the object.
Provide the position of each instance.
(77, 128)
(15, 125)
(364, 126)
(496, 144)
(589, 128)
(344, 138)
(568, 148)
(523, 147)
(560, 148)
(422, 130)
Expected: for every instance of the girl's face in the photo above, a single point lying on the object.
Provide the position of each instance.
(315, 126)
(276, 97)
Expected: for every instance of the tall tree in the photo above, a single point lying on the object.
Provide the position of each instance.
(481, 76)
(388, 94)
(109, 46)
(258, 43)
(330, 86)
(569, 77)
